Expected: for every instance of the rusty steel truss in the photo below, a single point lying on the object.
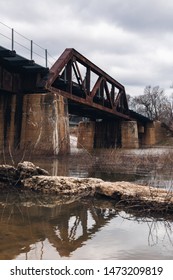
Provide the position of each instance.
(90, 91)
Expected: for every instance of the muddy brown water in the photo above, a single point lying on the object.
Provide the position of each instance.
(33, 226)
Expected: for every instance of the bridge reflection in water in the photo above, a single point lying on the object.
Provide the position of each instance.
(50, 228)
(65, 226)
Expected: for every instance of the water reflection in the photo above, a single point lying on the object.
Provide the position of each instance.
(66, 226)
(79, 165)
(47, 228)
(147, 167)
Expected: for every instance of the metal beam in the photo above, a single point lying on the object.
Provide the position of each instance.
(87, 102)
(80, 90)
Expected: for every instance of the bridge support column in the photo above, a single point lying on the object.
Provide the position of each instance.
(45, 126)
(149, 135)
(1, 125)
(86, 132)
(129, 135)
(7, 123)
(34, 124)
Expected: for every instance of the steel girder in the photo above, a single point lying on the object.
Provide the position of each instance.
(86, 85)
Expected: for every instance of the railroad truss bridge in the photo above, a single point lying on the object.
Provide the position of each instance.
(35, 103)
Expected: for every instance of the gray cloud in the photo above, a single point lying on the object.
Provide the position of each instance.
(134, 15)
(131, 40)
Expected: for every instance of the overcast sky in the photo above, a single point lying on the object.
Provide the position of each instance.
(132, 40)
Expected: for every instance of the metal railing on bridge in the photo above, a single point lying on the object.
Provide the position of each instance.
(13, 40)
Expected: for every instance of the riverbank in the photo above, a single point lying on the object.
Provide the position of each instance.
(27, 176)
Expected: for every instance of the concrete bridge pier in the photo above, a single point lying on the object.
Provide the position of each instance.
(149, 136)
(113, 134)
(129, 135)
(136, 135)
(86, 134)
(33, 124)
(99, 134)
(7, 122)
(45, 126)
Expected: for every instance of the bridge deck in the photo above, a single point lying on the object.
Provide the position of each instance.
(19, 74)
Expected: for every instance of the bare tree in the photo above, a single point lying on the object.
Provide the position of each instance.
(154, 104)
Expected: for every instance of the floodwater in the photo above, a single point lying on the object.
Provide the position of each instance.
(34, 227)
(37, 227)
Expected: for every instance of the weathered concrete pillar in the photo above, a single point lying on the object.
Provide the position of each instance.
(34, 124)
(45, 128)
(162, 133)
(7, 126)
(86, 132)
(149, 138)
(1, 125)
(129, 135)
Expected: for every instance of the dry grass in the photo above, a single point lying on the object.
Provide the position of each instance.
(124, 160)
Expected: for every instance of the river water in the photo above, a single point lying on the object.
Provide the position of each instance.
(34, 226)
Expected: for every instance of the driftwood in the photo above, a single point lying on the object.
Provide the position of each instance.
(13, 176)
(129, 195)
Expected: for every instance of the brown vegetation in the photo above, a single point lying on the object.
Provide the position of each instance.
(129, 195)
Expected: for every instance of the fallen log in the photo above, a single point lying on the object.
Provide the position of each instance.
(139, 197)
(129, 195)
